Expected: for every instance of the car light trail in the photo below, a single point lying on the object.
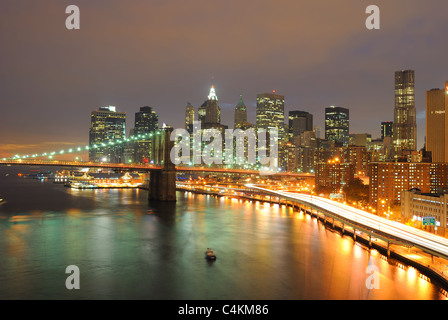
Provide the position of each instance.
(422, 239)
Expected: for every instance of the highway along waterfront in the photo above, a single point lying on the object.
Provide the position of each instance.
(127, 248)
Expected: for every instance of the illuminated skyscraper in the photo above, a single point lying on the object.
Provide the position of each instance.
(437, 123)
(209, 114)
(189, 118)
(386, 129)
(240, 114)
(202, 112)
(212, 110)
(405, 126)
(271, 113)
(337, 125)
(146, 121)
(106, 127)
(299, 122)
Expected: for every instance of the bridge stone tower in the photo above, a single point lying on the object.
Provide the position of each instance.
(162, 184)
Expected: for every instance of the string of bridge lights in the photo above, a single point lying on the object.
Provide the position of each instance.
(50, 155)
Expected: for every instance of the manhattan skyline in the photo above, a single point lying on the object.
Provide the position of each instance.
(166, 54)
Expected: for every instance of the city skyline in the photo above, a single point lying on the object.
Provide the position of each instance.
(151, 149)
(42, 90)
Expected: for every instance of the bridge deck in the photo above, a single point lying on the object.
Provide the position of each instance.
(147, 167)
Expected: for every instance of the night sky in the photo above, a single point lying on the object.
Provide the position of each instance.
(167, 53)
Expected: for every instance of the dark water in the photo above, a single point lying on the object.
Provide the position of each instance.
(127, 248)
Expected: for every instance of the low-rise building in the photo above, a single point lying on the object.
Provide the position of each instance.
(418, 207)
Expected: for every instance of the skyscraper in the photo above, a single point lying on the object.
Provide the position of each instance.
(271, 113)
(209, 114)
(386, 129)
(189, 118)
(337, 125)
(146, 121)
(405, 126)
(212, 110)
(106, 127)
(299, 122)
(437, 123)
(240, 114)
(202, 111)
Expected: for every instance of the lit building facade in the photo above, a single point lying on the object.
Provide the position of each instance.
(416, 206)
(337, 125)
(333, 175)
(189, 118)
(306, 144)
(359, 157)
(439, 177)
(146, 121)
(360, 139)
(380, 149)
(240, 114)
(271, 113)
(299, 122)
(405, 125)
(209, 115)
(387, 129)
(106, 127)
(212, 109)
(146, 124)
(437, 124)
(291, 157)
(202, 111)
(389, 179)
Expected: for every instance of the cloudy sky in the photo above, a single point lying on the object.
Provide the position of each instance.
(165, 53)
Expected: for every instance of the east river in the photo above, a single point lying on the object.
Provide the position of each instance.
(128, 248)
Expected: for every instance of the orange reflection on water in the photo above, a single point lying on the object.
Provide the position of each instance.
(16, 244)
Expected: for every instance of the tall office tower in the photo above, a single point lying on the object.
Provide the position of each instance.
(146, 121)
(405, 126)
(386, 129)
(189, 118)
(271, 113)
(299, 122)
(106, 125)
(337, 125)
(240, 114)
(437, 124)
(202, 111)
(212, 110)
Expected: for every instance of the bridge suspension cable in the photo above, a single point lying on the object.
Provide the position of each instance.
(51, 154)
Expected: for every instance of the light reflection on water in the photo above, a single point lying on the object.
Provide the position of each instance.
(127, 248)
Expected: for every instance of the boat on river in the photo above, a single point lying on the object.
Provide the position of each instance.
(209, 254)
